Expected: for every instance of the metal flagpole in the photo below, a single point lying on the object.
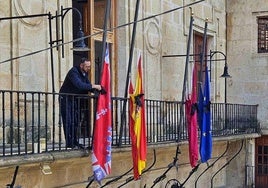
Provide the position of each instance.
(185, 74)
(203, 54)
(104, 34)
(123, 115)
(175, 159)
(107, 13)
(183, 91)
(107, 10)
(200, 97)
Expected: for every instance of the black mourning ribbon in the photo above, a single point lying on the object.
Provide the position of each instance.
(138, 101)
(103, 91)
(207, 107)
(194, 108)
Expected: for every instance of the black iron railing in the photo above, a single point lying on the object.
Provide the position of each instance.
(30, 122)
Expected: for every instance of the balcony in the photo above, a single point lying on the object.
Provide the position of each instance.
(30, 122)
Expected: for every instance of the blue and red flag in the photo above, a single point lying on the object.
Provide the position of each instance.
(101, 156)
(205, 127)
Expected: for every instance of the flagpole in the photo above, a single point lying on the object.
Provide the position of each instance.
(175, 159)
(104, 34)
(185, 74)
(123, 115)
(203, 53)
(200, 77)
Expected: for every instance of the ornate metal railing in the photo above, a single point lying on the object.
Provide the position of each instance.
(30, 122)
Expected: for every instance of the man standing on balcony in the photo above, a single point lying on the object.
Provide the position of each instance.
(76, 82)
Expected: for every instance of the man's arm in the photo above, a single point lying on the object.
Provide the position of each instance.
(76, 80)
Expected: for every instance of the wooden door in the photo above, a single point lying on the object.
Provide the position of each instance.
(198, 44)
(261, 162)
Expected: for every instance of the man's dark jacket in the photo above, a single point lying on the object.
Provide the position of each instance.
(76, 82)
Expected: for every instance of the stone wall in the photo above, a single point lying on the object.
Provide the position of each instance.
(23, 37)
(74, 172)
(167, 34)
(161, 35)
(248, 68)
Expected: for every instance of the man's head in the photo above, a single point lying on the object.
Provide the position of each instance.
(84, 65)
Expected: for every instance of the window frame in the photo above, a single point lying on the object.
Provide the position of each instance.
(262, 41)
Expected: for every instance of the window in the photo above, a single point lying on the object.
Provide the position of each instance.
(263, 34)
(262, 160)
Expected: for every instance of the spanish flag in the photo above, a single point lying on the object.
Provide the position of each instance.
(137, 124)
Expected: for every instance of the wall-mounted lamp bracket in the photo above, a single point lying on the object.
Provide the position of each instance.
(225, 72)
(79, 43)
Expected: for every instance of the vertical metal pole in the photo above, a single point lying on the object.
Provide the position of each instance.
(62, 31)
(51, 53)
(187, 59)
(203, 53)
(185, 76)
(104, 36)
(107, 14)
(123, 115)
(56, 26)
(225, 103)
(200, 77)
(52, 75)
(225, 89)
(210, 61)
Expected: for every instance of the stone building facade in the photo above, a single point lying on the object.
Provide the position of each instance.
(243, 56)
(231, 29)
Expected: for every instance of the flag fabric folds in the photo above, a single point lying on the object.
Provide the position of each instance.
(191, 120)
(205, 127)
(137, 124)
(101, 156)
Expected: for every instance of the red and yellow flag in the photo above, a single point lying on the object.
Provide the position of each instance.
(137, 124)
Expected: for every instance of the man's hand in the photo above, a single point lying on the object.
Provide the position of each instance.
(97, 87)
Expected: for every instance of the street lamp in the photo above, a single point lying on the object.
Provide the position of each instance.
(225, 74)
(79, 43)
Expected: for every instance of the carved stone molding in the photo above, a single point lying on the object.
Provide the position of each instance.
(30, 7)
(153, 37)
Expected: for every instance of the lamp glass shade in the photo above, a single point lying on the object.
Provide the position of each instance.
(80, 44)
(225, 73)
